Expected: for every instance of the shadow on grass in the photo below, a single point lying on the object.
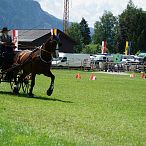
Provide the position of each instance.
(35, 97)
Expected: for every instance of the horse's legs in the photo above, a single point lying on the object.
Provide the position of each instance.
(50, 90)
(32, 84)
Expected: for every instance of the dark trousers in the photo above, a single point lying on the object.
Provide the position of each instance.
(7, 56)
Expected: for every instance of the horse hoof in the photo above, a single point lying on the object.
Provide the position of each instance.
(49, 92)
(16, 91)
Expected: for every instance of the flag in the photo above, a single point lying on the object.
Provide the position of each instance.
(126, 48)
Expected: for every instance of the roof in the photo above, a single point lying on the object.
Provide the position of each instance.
(29, 35)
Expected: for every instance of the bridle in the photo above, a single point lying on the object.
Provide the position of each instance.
(48, 52)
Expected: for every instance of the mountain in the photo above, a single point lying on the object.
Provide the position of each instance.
(26, 14)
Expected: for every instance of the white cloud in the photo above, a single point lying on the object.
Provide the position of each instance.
(52, 7)
(91, 10)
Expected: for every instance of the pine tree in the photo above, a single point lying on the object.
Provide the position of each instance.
(74, 32)
(85, 32)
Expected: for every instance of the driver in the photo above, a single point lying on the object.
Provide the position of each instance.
(6, 48)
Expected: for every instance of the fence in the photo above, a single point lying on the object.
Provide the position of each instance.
(101, 66)
(118, 67)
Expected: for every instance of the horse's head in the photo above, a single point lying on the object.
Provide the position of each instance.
(52, 45)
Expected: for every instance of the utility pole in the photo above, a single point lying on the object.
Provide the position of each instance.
(66, 16)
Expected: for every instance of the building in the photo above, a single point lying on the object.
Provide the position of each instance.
(31, 38)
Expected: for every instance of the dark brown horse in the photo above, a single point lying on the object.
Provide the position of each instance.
(38, 61)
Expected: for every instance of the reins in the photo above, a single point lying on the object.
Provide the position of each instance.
(45, 51)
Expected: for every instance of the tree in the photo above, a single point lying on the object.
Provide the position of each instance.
(97, 36)
(92, 49)
(132, 28)
(74, 32)
(80, 33)
(85, 32)
(106, 29)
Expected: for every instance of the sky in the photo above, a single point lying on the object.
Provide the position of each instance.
(91, 10)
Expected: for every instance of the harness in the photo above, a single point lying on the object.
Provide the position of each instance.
(40, 55)
(32, 55)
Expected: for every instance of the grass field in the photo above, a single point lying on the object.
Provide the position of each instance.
(110, 111)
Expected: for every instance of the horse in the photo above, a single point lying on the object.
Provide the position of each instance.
(36, 62)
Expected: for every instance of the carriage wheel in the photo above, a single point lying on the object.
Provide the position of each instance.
(16, 88)
(26, 84)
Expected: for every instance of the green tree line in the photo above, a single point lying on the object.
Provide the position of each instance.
(130, 25)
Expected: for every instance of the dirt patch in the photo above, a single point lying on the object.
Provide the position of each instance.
(114, 73)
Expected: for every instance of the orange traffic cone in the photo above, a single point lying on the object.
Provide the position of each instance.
(78, 76)
(92, 77)
(142, 75)
(132, 75)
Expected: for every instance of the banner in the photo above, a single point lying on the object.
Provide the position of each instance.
(126, 48)
(15, 38)
(54, 31)
(103, 49)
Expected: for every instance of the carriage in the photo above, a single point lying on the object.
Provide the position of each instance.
(26, 64)
(24, 84)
